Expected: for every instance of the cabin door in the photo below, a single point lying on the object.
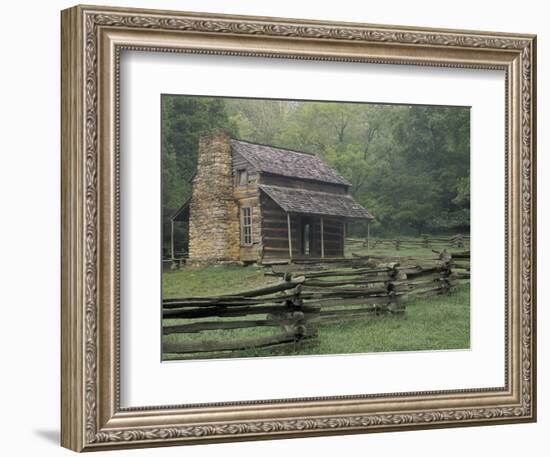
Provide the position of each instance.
(306, 236)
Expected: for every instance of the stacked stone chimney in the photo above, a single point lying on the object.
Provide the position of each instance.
(213, 212)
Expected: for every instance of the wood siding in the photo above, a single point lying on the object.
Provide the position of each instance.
(275, 230)
(269, 221)
(275, 233)
(248, 196)
(334, 237)
(303, 184)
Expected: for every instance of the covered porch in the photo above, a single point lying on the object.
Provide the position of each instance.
(315, 236)
(179, 229)
(305, 224)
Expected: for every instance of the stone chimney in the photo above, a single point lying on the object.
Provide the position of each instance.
(213, 212)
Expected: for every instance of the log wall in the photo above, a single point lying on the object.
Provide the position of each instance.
(281, 181)
(248, 196)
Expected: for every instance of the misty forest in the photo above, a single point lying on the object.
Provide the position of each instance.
(408, 165)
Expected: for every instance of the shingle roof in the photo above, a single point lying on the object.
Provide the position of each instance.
(311, 202)
(285, 162)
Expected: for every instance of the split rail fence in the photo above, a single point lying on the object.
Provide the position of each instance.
(424, 241)
(309, 294)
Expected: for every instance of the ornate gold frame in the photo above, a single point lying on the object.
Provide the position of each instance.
(92, 39)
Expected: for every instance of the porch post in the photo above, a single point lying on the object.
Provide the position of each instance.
(172, 239)
(322, 239)
(289, 236)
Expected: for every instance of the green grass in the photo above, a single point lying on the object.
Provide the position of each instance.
(431, 323)
(391, 251)
(215, 280)
(434, 323)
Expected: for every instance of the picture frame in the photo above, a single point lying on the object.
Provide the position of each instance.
(93, 39)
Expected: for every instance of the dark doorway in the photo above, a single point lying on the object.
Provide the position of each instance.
(307, 236)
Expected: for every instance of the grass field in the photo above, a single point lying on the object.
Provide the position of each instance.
(405, 251)
(216, 280)
(432, 323)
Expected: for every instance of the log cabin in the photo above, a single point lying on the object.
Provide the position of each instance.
(253, 203)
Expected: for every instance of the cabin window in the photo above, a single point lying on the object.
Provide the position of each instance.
(246, 226)
(242, 177)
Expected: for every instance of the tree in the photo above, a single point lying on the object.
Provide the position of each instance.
(409, 165)
(259, 120)
(183, 120)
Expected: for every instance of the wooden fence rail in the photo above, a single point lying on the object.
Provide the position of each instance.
(306, 296)
(424, 241)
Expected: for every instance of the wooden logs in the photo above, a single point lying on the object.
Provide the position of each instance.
(311, 293)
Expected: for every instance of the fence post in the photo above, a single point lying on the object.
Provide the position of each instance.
(394, 274)
(426, 241)
(295, 312)
(447, 272)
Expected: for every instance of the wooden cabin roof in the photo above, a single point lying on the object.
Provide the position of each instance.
(294, 200)
(285, 162)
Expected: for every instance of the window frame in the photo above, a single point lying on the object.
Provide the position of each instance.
(242, 172)
(245, 225)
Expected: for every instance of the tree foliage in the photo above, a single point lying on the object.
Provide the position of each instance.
(409, 165)
(183, 120)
